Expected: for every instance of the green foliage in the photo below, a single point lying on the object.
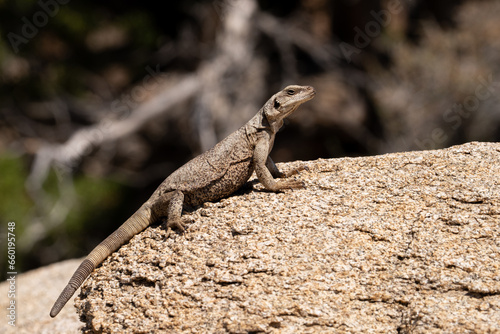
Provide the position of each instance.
(96, 201)
(75, 24)
(15, 204)
(139, 27)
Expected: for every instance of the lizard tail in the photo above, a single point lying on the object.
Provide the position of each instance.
(132, 226)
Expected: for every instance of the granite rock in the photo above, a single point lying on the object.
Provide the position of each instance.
(397, 243)
(35, 292)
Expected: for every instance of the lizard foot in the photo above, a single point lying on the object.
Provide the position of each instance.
(170, 224)
(296, 171)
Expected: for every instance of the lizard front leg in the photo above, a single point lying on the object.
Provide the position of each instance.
(265, 168)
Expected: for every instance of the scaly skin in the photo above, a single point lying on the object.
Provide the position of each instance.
(209, 177)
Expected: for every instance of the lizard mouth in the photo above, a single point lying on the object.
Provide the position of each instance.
(309, 94)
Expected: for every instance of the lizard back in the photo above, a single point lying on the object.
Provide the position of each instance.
(215, 174)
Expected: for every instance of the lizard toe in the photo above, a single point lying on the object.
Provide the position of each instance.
(295, 184)
(297, 170)
(177, 224)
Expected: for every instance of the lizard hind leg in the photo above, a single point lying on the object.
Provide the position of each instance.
(170, 205)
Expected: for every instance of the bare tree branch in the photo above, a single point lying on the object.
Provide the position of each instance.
(234, 55)
(285, 35)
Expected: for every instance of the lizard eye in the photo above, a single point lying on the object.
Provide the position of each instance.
(277, 104)
(290, 91)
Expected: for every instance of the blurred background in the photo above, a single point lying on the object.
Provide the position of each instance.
(100, 101)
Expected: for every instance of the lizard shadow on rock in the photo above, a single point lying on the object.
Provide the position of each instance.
(247, 188)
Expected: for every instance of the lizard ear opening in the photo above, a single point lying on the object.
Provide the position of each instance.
(277, 104)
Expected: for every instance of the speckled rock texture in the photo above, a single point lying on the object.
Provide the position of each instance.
(397, 243)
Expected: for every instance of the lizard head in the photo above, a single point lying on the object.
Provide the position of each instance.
(285, 102)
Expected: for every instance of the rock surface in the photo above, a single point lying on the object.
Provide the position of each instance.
(398, 243)
(36, 291)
